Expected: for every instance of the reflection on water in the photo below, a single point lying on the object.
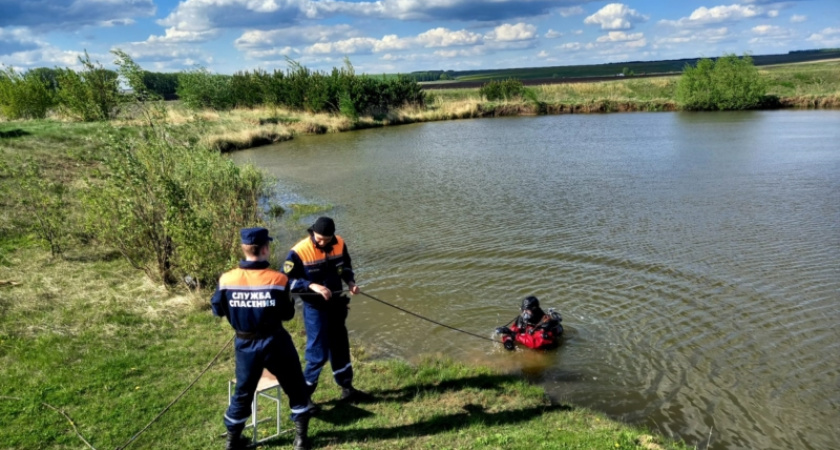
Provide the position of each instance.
(695, 257)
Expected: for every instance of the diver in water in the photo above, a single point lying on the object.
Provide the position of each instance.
(533, 327)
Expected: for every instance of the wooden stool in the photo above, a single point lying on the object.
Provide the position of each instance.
(268, 388)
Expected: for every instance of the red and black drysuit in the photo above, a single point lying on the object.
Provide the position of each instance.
(542, 331)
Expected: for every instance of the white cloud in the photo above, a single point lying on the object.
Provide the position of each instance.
(796, 18)
(359, 45)
(290, 36)
(709, 36)
(766, 29)
(571, 46)
(174, 36)
(434, 38)
(615, 16)
(828, 37)
(512, 33)
(443, 37)
(620, 36)
(570, 11)
(553, 34)
(460, 53)
(771, 35)
(719, 14)
(542, 54)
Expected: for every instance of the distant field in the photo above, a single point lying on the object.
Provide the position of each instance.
(611, 71)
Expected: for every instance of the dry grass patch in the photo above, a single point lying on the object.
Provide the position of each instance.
(68, 296)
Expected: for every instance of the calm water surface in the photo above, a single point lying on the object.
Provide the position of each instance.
(695, 257)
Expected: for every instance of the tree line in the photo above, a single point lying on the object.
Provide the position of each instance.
(300, 88)
(94, 93)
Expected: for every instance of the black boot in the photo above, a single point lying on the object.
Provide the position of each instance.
(301, 431)
(235, 441)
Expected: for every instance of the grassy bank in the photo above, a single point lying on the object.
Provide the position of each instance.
(93, 339)
(91, 349)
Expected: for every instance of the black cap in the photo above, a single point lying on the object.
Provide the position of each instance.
(323, 226)
(254, 236)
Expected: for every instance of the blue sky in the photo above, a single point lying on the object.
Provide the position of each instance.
(388, 36)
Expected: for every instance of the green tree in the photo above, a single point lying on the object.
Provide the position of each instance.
(201, 89)
(90, 95)
(730, 83)
(24, 96)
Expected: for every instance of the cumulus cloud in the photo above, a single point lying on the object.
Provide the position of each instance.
(709, 35)
(442, 37)
(293, 36)
(720, 14)
(571, 47)
(828, 37)
(175, 36)
(620, 36)
(511, 33)
(771, 35)
(460, 53)
(72, 14)
(434, 38)
(796, 18)
(171, 54)
(615, 16)
(553, 34)
(570, 11)
(463, 10)
(16, 40)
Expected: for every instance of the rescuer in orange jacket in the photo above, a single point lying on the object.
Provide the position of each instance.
(319, 264)
(255, 299)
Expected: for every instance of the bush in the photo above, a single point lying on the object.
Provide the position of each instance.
(173, 209)
(89, 95)
(730, 83)
(44, 203)
(509, 89)
(24, 96)
(339, 91)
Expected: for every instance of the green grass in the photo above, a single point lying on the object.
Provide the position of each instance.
(793, 80)
(95, 340)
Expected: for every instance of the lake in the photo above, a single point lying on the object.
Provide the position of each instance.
(695, 257)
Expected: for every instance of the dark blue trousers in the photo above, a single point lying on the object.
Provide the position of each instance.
(326, 339)
(278, 355)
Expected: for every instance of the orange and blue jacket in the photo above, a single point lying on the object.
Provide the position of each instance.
(253, 297)
(306, 263)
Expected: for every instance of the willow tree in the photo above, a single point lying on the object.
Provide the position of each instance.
(728, 83)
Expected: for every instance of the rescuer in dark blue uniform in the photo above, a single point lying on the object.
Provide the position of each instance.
(319, 264)
(255, 299)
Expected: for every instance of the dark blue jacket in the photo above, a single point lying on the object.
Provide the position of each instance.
(253, 297)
